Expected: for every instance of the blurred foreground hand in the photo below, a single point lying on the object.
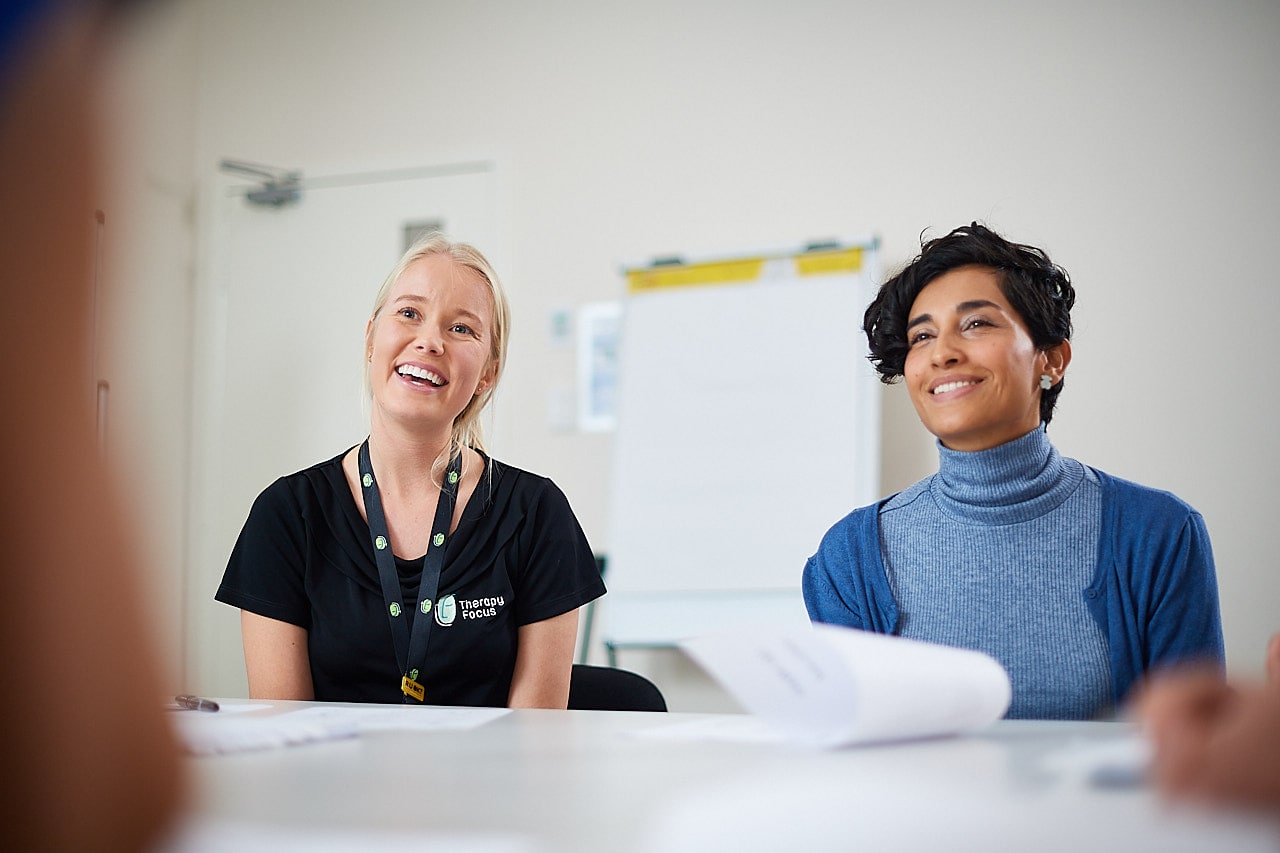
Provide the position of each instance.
(1216, 741)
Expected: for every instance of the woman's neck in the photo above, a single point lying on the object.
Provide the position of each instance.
(1016, 481)
(403, 458)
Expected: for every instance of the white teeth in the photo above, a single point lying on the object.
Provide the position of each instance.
(951, 386)
(419, 373)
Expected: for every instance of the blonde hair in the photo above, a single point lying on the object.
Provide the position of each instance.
(467, 428)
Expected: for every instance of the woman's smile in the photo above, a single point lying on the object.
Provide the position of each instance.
(416, 374)
(948, 387)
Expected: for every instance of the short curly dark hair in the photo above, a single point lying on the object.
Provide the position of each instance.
(1038, 289)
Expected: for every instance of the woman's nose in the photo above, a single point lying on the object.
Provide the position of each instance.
(946, 349)
(430, 339)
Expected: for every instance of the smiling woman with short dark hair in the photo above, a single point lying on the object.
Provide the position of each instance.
(1076, 581)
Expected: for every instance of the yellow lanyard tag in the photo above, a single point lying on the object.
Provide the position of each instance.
(409, 687)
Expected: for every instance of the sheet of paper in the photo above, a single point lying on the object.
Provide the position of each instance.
(219, 836)
(213, 733)
(372, 718)
(832, 686)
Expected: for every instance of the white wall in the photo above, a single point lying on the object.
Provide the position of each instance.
(1134, 141)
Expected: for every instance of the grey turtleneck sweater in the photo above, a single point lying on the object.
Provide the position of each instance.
(993, 553)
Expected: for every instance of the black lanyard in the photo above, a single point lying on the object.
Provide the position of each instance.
(409, 650)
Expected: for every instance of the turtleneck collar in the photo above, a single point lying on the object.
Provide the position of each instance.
(1014, 482)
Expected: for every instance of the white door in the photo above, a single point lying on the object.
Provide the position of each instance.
(278, 359)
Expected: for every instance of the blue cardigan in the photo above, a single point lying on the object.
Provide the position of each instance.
(1153, 593)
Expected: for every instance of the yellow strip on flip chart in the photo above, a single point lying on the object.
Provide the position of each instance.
(694, 275)
(825, 263)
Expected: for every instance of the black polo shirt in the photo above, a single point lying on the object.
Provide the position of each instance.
(305, 557)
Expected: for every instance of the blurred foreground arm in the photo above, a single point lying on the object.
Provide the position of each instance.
(89, 756)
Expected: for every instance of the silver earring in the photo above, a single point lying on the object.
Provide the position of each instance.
(1046, 381)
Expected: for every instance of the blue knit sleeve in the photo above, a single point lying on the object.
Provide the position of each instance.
(825, 584)
(1185, 622)
(844, 583)
(1156, 591)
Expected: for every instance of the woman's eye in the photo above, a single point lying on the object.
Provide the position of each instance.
(976, 322)
(461, 328)
(408, 313)
(917, 338)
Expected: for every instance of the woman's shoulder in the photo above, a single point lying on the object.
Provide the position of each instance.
(511, 480)
(1128, 498)
(863, 523)
(319, 481)
(905, 498)
(867, 518)
(510, 499)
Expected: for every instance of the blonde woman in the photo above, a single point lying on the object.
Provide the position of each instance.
(413, 567)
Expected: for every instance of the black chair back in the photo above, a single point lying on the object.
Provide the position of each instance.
(603, 688)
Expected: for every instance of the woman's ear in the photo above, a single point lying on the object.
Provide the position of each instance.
(487, 379)
(1056, 359)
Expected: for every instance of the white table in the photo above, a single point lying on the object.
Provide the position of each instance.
(582, 780)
